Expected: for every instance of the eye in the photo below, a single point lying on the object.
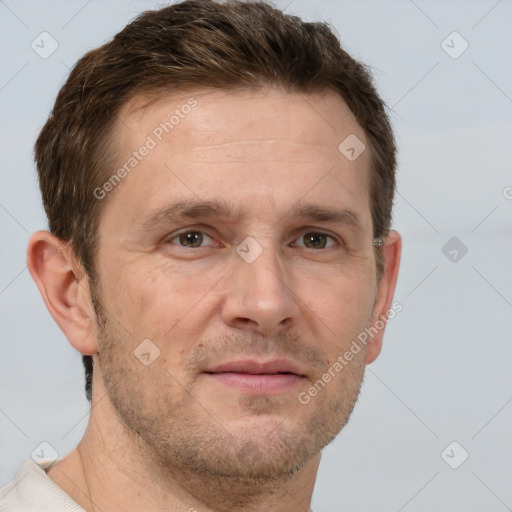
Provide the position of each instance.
(315, 240)
(190, 239)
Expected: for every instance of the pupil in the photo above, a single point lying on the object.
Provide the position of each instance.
(192, 239)
(315, 240)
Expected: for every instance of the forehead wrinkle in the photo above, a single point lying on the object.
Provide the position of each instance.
(280, 149)
(306, 155)
(257, 141)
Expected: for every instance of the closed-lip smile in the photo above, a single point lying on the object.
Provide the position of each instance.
(258, 377)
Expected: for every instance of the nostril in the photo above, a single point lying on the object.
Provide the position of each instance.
(246, 321)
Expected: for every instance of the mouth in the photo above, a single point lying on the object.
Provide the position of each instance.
(256, 377)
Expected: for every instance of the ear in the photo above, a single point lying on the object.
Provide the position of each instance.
(64, 287)
(383, 309)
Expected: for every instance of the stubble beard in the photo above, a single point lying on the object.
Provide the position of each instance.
(179, 436)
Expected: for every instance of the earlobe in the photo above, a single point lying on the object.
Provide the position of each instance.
(64, 287)
(392, 250)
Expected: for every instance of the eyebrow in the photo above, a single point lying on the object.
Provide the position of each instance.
(179, 211)
(328, 214)
(182, 210)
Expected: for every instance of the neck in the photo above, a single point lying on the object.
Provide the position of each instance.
(113, 469)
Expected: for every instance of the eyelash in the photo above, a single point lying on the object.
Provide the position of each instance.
(313, 232)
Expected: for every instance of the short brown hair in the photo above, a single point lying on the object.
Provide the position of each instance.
(233, 45)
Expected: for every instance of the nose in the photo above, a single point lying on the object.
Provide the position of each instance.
(259, 295)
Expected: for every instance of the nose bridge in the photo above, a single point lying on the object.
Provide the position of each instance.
(265, 267)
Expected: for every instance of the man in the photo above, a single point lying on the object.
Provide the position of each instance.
(218, 181)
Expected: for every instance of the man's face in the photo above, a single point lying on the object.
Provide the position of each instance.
(243, 326)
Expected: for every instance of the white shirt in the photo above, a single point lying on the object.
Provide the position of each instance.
(32, 490)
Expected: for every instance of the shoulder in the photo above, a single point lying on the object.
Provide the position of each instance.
(32, 490)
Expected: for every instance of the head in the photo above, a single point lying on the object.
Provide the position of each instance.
(197, 126)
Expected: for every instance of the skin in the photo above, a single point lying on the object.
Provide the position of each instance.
(168, 436)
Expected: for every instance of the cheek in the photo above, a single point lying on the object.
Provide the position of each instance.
(167, 306)
(342, 304)
(151, 293)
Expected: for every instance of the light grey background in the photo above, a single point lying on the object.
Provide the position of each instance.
(444, 373)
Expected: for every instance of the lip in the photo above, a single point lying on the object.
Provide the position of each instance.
(254, 367)
(257, 377)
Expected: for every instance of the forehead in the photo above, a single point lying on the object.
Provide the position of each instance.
(247, 144)
(216, 117)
